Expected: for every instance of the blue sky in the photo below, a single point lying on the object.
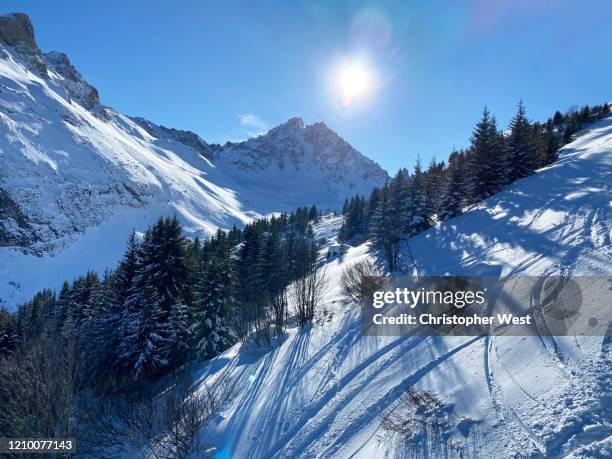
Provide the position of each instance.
(228, 70)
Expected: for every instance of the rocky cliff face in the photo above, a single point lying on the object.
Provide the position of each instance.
(76, 87)
(189, 138)
(14, 226)
(16, 30)
(17, 33)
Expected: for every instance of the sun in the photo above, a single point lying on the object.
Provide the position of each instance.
(353, 81)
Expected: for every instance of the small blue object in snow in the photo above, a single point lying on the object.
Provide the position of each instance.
(252, 379)
(222, 455)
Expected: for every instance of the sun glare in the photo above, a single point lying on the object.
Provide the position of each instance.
(353, 82)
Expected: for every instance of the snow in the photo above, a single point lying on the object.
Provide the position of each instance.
(84, 178)
(319, 392)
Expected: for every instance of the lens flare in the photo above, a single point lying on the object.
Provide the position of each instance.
(371, 28)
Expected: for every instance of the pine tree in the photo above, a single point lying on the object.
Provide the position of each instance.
(568, 134)
(344, 233)
(164, 267)
(399, 205)
(117, 288)
(313, 214)
(88, 300)
(310, 232)
(552, 143)
(145, 346)
(180, 322)
(155, 316)
(304, 254)
(353, 219)
(433, 184)
(371, 207)
(275, 265)
(486, 159)
(105, 329)
(453, 191)
(215, 305)
(585, 114)
(60, 314)
(249, 257)
(127, 269)
(97, 332)
(385, 230)
(521, 146)
(419, 206)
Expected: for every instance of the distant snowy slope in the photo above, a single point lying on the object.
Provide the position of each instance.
(319, 392)
(72, 169)
(291, 165)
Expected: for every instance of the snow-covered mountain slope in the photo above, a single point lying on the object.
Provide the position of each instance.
(74, 173)
(314, 157)
(319, 392)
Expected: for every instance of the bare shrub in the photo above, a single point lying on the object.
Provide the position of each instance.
(184, 415)
(262, 323)
(254, 320)
(423, 425)
(241, 323)
(165, 426)
(279, 308)
(307, 292)
(36, 387)
(360, 280)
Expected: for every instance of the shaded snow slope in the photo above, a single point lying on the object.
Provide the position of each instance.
(76, 177)
(319, 392)
(556, 221)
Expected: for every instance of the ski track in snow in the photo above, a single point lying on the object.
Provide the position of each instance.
(319, 392)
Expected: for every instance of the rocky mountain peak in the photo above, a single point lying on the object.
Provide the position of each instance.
(17, 33)
(313, 149)
(321, 132)
(290, 127)
(16, 30)
(294, 123)
(17, 37)
(295, 127)
(319, 126)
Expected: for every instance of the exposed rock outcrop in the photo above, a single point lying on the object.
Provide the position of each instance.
(79, 89)
(16, 30)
